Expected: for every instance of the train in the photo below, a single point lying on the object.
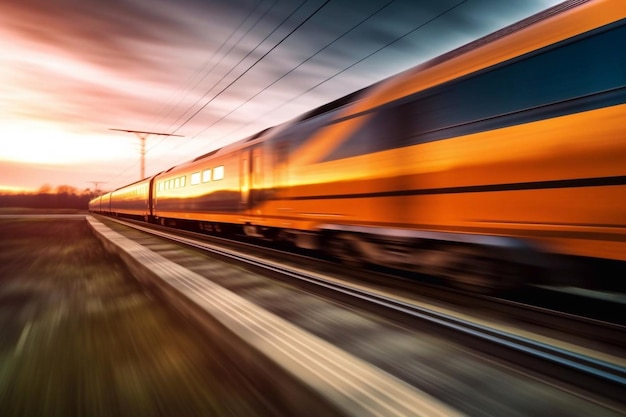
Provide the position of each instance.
(489, 166)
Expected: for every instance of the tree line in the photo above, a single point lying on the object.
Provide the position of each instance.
(47, 197)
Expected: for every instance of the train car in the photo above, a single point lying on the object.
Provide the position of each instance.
(206, 190)
(105, 204)
(470, 166)
(101, 204)
(94, 204)
(133, 200)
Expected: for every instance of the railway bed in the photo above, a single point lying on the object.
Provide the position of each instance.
(455, 374)
(576, 314)
(81, 337)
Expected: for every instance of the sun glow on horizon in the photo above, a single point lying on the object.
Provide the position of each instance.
(42, 142)
(10, 189)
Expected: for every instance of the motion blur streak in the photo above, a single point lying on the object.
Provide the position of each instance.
(484, 164)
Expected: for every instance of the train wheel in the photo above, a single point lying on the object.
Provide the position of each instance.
(342, 248)
(475, 271)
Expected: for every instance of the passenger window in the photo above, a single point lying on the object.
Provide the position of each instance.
(218, 173)
(206, 175)
(195, 178)
(373, 132)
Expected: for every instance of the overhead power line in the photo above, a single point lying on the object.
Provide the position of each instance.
(252, 66)
(297, 66)
(237, 64)
(189, 87)
(438, 16)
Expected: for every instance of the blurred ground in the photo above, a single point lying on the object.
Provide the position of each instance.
(80, 337)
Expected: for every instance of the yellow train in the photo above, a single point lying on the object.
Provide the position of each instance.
(479, 166)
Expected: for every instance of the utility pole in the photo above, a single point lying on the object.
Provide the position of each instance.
(95, 185)
(142, 137)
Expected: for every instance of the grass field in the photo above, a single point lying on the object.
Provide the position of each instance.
(28, 210)
(80, 337)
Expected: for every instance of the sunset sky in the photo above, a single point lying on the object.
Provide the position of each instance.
(209, 70)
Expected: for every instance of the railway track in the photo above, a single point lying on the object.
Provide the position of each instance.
(580, 317)
(597, 379)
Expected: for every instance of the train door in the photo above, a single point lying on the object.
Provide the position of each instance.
(251, 176)
(244, 178)
(281, 157)
(151, 197)
(256, 171)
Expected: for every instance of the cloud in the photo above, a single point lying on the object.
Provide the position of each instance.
(80, 67)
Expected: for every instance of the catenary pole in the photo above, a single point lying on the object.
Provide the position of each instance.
(142, 138)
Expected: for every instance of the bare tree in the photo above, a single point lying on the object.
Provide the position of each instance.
(66, 189)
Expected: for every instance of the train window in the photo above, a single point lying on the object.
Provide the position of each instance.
(372, 132)
(550, 82)
(206, 175)
(218, 173)
(183, 180)
(195, 178)
(177, 183)
(302, 131)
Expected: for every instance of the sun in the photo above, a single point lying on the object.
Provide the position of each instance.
(36, 142)
(41, 142)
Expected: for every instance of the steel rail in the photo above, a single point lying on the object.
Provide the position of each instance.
(598, 376)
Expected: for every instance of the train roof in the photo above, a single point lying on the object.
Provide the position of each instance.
(356, 95)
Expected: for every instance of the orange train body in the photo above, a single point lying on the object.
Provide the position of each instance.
(515, 140)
